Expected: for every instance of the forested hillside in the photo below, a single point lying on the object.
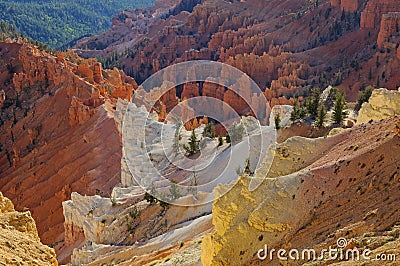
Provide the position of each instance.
(58, 22)
(8, 31)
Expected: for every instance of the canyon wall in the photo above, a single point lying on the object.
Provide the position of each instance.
(372, 14)
(125, 221)
(389, 30)
(287, 48)
(58, 133)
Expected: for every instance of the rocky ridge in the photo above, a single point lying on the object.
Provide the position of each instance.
(58, 132)
(125, 225)
(381, 105)
(310, 194)
(19, 240)
(269, 41)
(330, 174)
(57, 110)
(294, 214)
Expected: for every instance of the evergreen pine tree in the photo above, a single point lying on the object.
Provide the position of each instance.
(228, 138)
(298, 111)
(193, 144)
(338, 110)
(363, 97)
(220, 140)
(319, 122)
(312, 102)
(247, 169)
(277, 119)
(209, 131)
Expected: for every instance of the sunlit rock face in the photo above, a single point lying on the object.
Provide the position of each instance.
(317, 191)
(267, 40)
(382, 104)
(19, 240)
(58, 132)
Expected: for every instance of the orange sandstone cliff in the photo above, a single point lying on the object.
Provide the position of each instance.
(287, 48)
(58, 134)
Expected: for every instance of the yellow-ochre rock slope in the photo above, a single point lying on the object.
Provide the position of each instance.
(19, 240)
(382, 104)
(317, 191)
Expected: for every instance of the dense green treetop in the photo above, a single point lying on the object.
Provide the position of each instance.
(58, 22)
(8, 31)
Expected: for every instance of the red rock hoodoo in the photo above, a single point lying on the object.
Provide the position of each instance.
(390, 24)
(372, 14)
(58, 134)
(283, 47)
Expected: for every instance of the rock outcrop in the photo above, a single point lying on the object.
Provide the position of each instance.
(284, 112)
(58, 133)
(321, 197)
(125, 225)
(389, 29)
(19, 240)
(269, 41)
(372, 14)
(382, 104)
